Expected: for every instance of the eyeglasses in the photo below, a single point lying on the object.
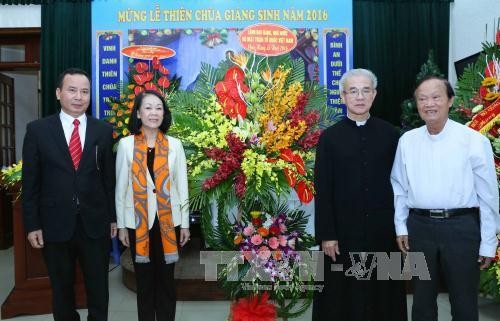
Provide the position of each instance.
(354, 92)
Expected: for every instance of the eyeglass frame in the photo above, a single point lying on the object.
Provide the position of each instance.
(354, 92)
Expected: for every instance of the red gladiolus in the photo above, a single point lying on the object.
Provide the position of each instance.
(240, 186)
(254, 308)
(163, 82)
(498, 38)
(141, 67)
(304, 192)
(215, 153)
(231, 161)
(310, 140)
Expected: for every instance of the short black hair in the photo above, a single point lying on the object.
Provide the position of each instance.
(449, 89)
(71, 71)
(134, 124)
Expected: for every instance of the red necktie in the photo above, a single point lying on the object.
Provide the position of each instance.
(75, 146)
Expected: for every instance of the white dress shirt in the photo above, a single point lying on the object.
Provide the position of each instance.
(453, 169)
(68, 126)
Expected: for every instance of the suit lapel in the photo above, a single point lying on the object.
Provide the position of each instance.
(59, 138)
(89, 149)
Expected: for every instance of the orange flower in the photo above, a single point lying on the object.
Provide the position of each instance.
(277, 255)
(263, 231)
(237, 239)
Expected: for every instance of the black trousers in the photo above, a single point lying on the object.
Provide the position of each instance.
(452, 246)
(93, 256)
(156, 298)
(345, 298)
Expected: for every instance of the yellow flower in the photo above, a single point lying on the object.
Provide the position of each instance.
(254, 214)
(489, 81)
(240, 59)
(491, 96)
(266, 75)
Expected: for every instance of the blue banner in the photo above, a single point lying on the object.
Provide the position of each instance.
(192, 32)
(108, 71)
(336, 64)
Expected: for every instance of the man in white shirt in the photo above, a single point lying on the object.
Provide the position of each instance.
(446, 202)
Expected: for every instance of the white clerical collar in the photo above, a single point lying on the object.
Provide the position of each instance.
(359, 123)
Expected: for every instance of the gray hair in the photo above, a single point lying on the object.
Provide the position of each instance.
(357, 72)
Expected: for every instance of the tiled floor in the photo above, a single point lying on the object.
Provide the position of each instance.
(123, 306)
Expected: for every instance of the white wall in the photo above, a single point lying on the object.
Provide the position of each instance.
(25, 83)
(471, 23)
(20, 16)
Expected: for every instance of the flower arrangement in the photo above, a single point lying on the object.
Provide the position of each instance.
(249, 129)
(489, 282)
(478, 100)
(271, 259)
(477, 96)
(10, 177)
(142, 76)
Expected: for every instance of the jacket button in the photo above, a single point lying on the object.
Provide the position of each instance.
(154, 190)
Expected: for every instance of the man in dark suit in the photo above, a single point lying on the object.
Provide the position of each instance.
(68, 197)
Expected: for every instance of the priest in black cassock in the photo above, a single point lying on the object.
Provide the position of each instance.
(354, 211)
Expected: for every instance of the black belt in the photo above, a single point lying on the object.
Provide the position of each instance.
(444, 213)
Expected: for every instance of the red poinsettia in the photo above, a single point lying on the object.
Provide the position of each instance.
(229, 92)
(254, 308)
